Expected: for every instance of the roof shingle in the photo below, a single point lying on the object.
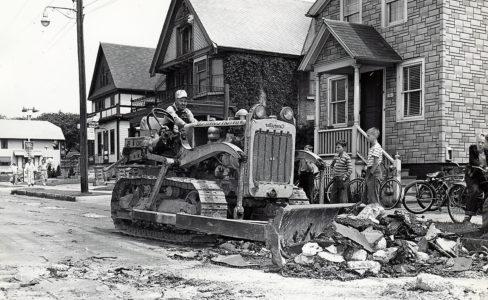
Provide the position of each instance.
(129, 66)
(277, 26)
(362, 42)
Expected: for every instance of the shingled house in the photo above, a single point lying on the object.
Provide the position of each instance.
(415, 69)
(120, 81)
(254, 46)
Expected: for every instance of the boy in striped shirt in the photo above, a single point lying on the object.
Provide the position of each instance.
(341, 172)
(373, 171)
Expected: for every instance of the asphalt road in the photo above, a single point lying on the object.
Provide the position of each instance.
(53, 249)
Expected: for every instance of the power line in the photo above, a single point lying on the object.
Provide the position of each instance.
(102, 6)
(61, 34)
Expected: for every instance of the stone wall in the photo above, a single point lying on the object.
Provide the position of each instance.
(464, 74)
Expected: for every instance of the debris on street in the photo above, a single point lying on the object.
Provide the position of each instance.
(376, 243)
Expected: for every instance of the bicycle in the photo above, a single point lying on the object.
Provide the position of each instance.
(458, 197)
(430, 194)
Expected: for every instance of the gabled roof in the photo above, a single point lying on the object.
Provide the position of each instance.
(30, 129)
(272, 26)
(361, 42)
(129, 67)
(317, 7)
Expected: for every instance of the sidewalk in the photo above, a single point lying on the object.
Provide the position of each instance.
(65, 192)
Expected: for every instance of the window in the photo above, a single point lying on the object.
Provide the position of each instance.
(4, 144)
(112, 100)
(201, 79)
(338, 100)
(410, 86)
(105, 141)
(99, 144)
(112, 141)
(311, 84)
(184, 40)
(217, 73)
(351, 10)
(104, 76)
(394, 12)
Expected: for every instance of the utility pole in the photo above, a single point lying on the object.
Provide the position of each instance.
(82, 83)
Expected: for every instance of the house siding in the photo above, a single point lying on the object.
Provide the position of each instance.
(464, 74)
(419, 37)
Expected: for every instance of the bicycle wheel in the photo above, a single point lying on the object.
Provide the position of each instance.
(457, 198)
(390, 193)
(355, 190)
(328, 191)
(418, 197)
(440, 189)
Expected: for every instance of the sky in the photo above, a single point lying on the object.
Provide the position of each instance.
(39, 65)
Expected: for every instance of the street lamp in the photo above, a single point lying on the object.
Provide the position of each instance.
(82, 85)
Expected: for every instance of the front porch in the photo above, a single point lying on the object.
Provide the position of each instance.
(350, 63)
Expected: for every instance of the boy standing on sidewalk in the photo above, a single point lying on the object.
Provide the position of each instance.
(373, 171)
(341, 172)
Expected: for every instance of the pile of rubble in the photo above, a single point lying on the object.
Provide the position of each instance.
(374, 243)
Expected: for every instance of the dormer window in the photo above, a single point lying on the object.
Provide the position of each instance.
(184, 40)
(351, 11)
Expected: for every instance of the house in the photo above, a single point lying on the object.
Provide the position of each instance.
(417, 70)
(120, 82)
(23, 139)
(252, 46)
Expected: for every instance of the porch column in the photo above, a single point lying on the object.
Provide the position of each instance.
(357, 102)
(317, 114)
(357, 94)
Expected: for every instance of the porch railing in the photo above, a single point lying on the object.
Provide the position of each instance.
(358, 143)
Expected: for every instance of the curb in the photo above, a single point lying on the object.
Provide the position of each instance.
(44, 195)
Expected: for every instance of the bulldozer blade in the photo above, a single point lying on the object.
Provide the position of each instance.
(299, 223)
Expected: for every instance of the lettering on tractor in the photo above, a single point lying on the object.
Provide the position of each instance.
(231, 178)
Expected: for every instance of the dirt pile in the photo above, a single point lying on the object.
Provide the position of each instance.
(375, 243)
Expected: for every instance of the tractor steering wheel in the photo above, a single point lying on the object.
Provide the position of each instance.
(155, 112)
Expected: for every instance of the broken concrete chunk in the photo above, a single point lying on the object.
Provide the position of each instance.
(422, 256)
(303, 260)
(446, 245)
(362, 266)
(311, 249)
(359, 255)
(231, 260)
(228, 246)
(188, 254)
(385, 255)
(371, 212)
(462, 264)
(431, 283)
(336, 258)
(485, 269)
(381, 244)
(423, 245)
(371, 235)
(354, 235)
(332, 249)
(432, 232)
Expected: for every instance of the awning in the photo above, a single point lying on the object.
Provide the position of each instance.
(20, 153)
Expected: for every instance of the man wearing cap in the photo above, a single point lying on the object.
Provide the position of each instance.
(178, 110)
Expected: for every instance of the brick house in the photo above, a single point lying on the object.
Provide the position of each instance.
(205, 44)
(417, 70)
(120, 81)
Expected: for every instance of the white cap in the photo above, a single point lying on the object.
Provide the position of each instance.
(181, 94)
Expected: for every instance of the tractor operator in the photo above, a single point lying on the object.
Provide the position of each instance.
(178, 110)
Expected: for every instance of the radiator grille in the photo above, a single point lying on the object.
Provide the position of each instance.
(272, 156)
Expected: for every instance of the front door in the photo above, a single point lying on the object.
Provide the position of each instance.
(371, 110)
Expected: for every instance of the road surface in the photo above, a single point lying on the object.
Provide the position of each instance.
(53, 249)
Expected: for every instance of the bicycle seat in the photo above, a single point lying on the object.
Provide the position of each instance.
(437, 174)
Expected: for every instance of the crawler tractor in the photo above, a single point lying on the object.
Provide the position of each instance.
(230, 178)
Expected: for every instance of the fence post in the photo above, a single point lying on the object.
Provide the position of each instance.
(398, 167)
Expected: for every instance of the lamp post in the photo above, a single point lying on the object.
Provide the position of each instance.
(82, 85)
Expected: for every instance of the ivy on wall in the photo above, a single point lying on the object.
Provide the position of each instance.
(257, 78)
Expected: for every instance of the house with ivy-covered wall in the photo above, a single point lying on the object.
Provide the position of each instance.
(252, 46)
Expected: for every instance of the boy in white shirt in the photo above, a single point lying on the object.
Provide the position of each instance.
(373, 171)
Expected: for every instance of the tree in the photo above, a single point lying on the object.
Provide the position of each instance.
(68, 124)
(3, 117)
